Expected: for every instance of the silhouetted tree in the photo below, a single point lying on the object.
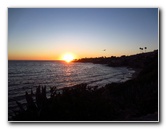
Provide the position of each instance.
(141, 49)
(145, 48)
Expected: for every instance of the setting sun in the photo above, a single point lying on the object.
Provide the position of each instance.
(68, 57)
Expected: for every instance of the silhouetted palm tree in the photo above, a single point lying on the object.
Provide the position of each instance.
(141, 49)
(145, 48)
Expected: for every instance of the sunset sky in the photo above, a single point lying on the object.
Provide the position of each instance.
(49, 33)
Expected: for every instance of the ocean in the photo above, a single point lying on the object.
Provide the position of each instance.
(26, 75)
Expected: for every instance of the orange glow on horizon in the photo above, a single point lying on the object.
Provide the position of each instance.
(60, 55)
(68, 57)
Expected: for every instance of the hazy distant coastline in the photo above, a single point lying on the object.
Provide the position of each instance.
(133, 61)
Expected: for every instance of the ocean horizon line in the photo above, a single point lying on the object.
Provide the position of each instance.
(35, 60)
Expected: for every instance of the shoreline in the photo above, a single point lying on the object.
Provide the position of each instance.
(132, 100)
(136, 62)
(136, 73)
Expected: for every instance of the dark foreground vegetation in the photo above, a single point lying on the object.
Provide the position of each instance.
(133, 100)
